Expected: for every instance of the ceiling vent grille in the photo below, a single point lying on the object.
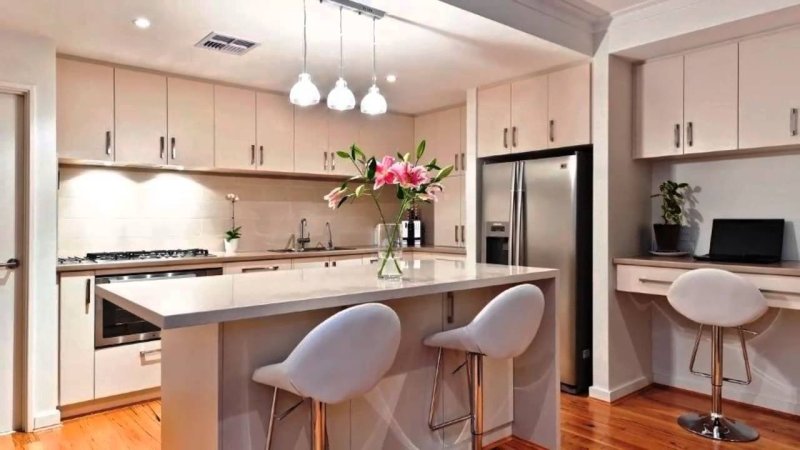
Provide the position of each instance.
(226, 44)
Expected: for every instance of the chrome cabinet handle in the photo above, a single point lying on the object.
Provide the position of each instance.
(253, 155)
(677, 135)
(325, 164)
(455, 161)
(173, 152)
(463, 162)
(333, 263)
(690, 134)
(162, 146)
(88, 300)
(260, 269)
(333, 162)
(11, 264)
(505, 137)
(144, 353)
(327, 264)
(514, 136)
(649, 280)
(451, 307)
(793, 121)
(108, 143)
(261, 154)
(456, 232)
(552, 130)
(462, 234)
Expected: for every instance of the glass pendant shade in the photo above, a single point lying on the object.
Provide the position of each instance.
(341, 98)
(304, 92)
(373, 103)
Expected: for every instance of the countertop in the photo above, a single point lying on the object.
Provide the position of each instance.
(221, 258)
(197, 301)
(786, 268)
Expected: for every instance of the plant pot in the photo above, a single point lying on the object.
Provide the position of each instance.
(231, 246)
(667, 237)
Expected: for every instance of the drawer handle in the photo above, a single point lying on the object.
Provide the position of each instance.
(774, 291)
(144, 353)
(649, 280)
(260, 269)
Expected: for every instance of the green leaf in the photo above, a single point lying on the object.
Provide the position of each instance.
(359, 190)
(371, 164)
(400, 193)
(343, 155)
(344, 199)
(444, 173)
(357, 152)
(421, 149)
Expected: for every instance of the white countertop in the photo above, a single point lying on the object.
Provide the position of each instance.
(198, 301)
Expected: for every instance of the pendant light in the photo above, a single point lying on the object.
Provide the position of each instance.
(304, 92)
(373, 103)
(341, 98)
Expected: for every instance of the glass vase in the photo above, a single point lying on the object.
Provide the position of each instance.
(390, 253)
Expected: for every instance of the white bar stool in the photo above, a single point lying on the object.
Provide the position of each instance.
(503, 329)
(719, 299)
(343, 357)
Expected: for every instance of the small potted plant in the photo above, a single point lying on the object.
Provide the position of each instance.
(672, 198)
(234, 233)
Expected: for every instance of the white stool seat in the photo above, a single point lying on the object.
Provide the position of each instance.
(503, 329)
(717, 298)
(343, 357)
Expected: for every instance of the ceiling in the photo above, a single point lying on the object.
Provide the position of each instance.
(613, 6)
(436, 50)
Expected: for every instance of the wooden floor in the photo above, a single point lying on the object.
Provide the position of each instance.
(645, 420)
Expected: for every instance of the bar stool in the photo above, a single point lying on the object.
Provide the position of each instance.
(503, 329)
(343, 357)
(719, 299)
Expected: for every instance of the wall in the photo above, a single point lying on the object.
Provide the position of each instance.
(30, 61)
(102, 209)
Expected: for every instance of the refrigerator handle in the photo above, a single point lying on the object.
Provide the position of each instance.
(518, 225)
(512, 215)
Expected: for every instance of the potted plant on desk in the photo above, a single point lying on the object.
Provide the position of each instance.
(234, 233)
(672, 198)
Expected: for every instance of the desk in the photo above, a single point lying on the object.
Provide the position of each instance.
(780, 283)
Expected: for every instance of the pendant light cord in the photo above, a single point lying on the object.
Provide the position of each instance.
(305, 44)
(341, 45)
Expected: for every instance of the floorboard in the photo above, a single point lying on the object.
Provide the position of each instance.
(645, 420)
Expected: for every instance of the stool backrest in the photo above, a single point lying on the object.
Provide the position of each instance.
(347, 354)
(716, 297)
(507, 325)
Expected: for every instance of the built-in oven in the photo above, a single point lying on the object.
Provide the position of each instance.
(115, 325)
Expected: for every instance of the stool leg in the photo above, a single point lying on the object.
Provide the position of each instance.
(476, 369)
(271, 425)
(715, 425)
(319, 435)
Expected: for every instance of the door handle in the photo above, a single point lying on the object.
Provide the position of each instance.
(173, 151)
(462, 234)
(650, 280)
(455, 161)
(552, 130)
(451, 307)
(261, 154)
(11, 264)
(253, 155)
(108, 143)
(325, 163)
(260, 269)
(793, 121)
(162, 147)
(677, 135)
(144, 353)
(505, 137)
(333, 162)
(88, 293)
(514, 136)
(690, 134)
(463, 162)
(455, 232)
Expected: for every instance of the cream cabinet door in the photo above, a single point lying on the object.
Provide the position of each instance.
(659, 109)
(272, 265)
(447, 213)
(190, 111)
(234, 128)
(76, 338)
(346, 261)
(311, 263)
(275, 132)
(426, 128)
(569, 106)
(450, 146)
(529, 114)
(343, 131)
(769, 92)
(387, 134)
(494, 120)
(85, 110)
(140, 117)
(711, 89)
(311, 153)
(127, 368)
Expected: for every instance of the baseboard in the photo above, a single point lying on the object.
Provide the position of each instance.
(619, 391)
(47, 419)
(93, 406)
(729, 392)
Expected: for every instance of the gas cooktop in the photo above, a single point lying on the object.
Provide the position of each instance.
(141, 255)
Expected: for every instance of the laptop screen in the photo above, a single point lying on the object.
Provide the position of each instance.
(747, 237)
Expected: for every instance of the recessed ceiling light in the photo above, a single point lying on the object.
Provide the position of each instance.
(391, 78)
(142, 22)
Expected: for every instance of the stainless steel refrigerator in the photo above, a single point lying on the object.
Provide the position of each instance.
(538, 212)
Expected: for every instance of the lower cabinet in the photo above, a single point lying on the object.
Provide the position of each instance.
(320, 262)
(127, 368)
(257, 266)
(448, 214)
(76, 338)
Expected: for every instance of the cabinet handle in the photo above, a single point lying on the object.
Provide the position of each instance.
(325, 165)
(514, 136)
(253, 155)
(144, 353)
(505, 137)
(455, 161)
(649, 280)
(333, 263)
(327, 264)
(462, 234)
(88, 294)
(333, 162)
(552, 130)
(108, 143)
(690, 134)
(260, 269)
(173, 151)
(451, 307)
(456, 232)
(162, 146)
(793, 121)
(463, 162)
(261, 154)
(677, 135)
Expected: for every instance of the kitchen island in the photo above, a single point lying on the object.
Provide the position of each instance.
(217, 330)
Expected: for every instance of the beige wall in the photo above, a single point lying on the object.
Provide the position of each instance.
(102, 209)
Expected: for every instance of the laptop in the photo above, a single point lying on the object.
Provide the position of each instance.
(757, 241)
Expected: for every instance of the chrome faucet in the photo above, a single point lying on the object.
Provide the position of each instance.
(302, 239)
(330, 236)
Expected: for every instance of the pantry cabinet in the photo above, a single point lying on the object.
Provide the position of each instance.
(274, 132)
(234, 128)
(84, 110)
(140, 117)
(76, 338)
(190, 111)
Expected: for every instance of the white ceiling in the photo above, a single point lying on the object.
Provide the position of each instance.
(612, 6)
(436, 50)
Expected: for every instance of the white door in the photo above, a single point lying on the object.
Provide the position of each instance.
(11, 138)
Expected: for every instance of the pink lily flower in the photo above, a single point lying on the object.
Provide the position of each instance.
(410, 176)
(383, 172)
(431, 193)
(335, 196)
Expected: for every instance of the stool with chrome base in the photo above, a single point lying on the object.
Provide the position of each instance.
(343, 357)
(719, 299)
(503, 329)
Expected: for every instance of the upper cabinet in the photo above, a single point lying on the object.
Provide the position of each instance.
(387, 134)
(140, 117)
(769, 92)
(311, 153)
(344, 128)
(546, 111)
(234, 128)
(659, 111)
(443, 132)
(190, 109)
(274, 132)
(85, 110)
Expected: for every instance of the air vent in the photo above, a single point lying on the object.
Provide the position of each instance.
(226, 44)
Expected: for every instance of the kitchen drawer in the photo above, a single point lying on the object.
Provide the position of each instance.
(127, 368)
(257, 266)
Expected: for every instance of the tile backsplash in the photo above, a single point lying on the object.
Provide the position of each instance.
(103, 209)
